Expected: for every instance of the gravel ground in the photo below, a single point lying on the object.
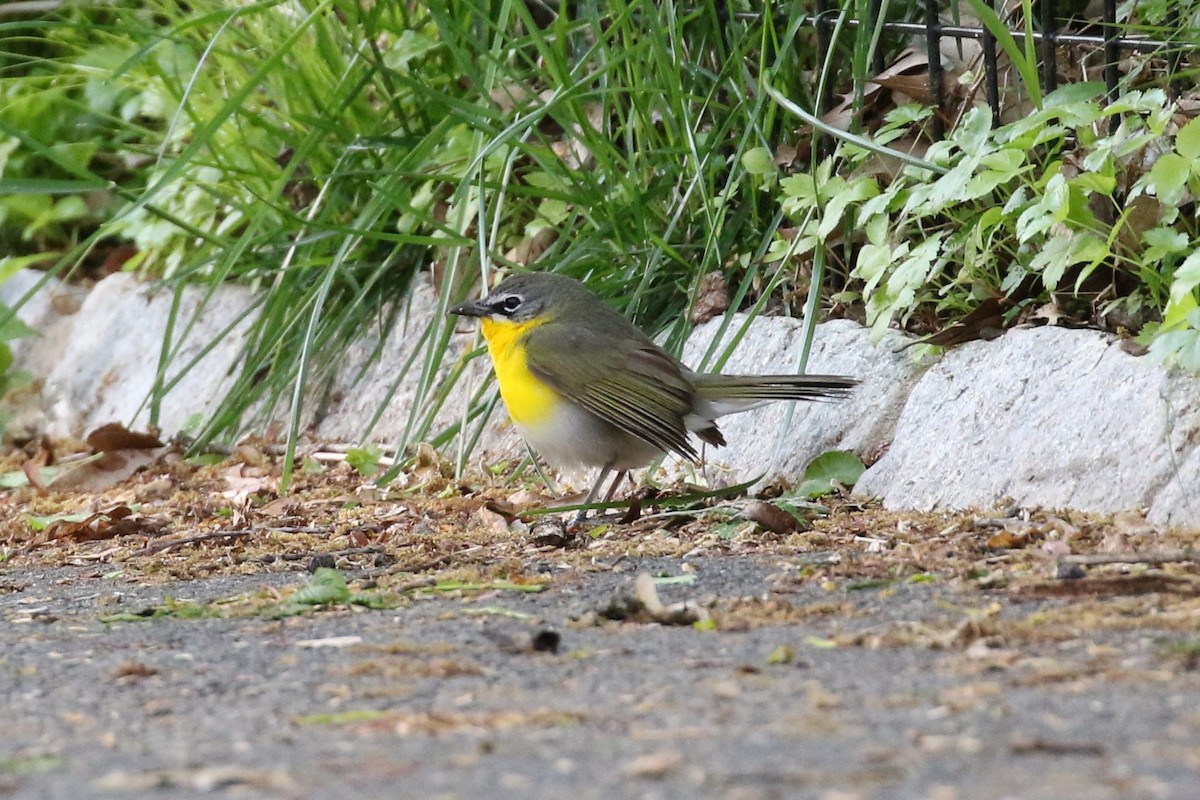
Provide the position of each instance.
(903, 690)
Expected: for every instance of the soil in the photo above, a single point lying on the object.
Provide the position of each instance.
(188, 631)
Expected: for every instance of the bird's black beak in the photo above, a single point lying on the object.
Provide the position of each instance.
(470, 309)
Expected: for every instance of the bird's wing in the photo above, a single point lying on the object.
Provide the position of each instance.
(631, 384)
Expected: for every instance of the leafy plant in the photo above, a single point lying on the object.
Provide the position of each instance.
(1051, 204)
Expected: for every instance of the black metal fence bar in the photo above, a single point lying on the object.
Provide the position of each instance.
(933, 39)
(991, 70)
(1048, 42)
(1112, 54)
(960, 32)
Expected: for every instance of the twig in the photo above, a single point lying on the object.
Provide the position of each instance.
(1162, 557)
(334, 457)
(349, 551)
(393, 569)
(1039, 745)
(163, 546)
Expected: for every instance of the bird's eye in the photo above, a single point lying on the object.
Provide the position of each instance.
(509, 304)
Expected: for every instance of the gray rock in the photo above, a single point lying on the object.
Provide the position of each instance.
(1178, 502)
(49, 307)
(1046, 417)
(382, 369)
(106, 371)
(780, 439)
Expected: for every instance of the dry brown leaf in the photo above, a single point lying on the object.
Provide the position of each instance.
(117, 521)
(115, 436)
(108, 470)
(771, 517)
(713, 298)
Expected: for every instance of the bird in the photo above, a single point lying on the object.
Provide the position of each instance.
(586, 387)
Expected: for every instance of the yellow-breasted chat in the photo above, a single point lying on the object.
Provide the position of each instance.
(587, 388)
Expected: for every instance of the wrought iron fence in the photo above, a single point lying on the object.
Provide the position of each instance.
(1053, 31)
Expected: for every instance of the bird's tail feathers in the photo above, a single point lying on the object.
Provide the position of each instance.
(715, 387)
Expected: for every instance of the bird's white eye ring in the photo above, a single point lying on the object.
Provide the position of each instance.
(509, 304)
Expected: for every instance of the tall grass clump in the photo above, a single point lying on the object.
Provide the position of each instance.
(328, 152)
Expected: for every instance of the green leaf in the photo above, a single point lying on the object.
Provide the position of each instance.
(409, 45)
(1001, 167)
(11, 326)
(1183, 300)
(1095, 183)
(873, 262)
(1060, 252)
(912, 273)
(781, 655)
(828, 472)
(758, 161)
(327, 586)
(353, 717)
(1168, 177)
(856, 191)
(39, 523)
(1187, 140)
(1051, 208)
(1163, 242)
(974, 131)
(821, 643)
(364, 460)
(674, 580)
(1180, 347)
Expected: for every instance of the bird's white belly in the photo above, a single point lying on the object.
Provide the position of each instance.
(571, 436)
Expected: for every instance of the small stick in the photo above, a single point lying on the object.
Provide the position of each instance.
(1162, 557)
(163, 546)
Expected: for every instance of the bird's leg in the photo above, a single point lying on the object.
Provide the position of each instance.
(581, 515)
(612, 490)
(595, 490)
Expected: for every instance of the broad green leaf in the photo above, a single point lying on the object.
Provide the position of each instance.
(974, 131)
(1163, 242)
(758, 161)
(1187, 142)
(326, 586)
(1168, 177)
(11, 326)
(40, 523)
(1183, 292)
(828, 471)
(364, 460)
(1181, 347)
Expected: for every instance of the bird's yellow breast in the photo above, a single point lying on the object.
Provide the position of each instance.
(529, 400)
